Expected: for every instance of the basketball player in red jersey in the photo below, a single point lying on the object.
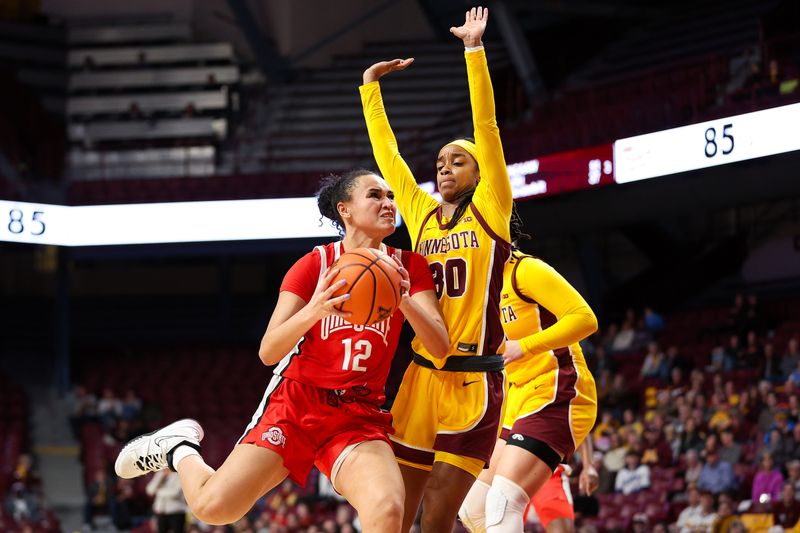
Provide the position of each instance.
(322, 406)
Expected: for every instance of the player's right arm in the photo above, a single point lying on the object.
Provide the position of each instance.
(413, 202)
(494, 188)
(294, 316)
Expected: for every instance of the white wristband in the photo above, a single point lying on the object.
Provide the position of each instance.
(473, 48)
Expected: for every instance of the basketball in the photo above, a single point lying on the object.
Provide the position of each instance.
(373, 283)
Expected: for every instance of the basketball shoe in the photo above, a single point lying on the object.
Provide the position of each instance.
(153, 451)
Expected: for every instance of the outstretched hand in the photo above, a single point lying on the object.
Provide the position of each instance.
(474, 25)
(382, 68)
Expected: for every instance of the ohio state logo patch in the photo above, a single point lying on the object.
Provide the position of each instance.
(274, 436)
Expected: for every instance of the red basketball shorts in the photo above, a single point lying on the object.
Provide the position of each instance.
(307, 425)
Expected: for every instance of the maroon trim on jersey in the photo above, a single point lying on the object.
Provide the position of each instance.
(494, 335)
(412, 455)
(486, 227)
(422, 226)
(514, 283)
(479, 441)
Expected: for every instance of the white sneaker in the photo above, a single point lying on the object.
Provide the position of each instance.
(153, 451)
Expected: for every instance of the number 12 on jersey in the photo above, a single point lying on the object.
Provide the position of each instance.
(363, 351)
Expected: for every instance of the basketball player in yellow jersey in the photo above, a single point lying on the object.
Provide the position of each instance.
(448, 410)
(552, 402)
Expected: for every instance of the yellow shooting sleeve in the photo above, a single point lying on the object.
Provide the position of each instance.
(575, 319)
(414, 203)
(491, 160)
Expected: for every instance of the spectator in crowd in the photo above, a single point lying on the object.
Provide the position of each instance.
(716, 476)
(790, 358)
(20, 503)
(608, 338)
(690, 518)
(606, 477)
(25, 473)
(84, 408)
(705, 522)
(623, 340)
(725, 517)
(691, 439)
(124, 504)
(693, 467)
(655, 363)
(786, 510)
(606, 425)
(131, 406)
(169, 505)
(614, 458)
(734, 352)
(775, 444)
(793, 475)
(655, 450)
(601, 362)
(619, 394)
(769, 365)
(98, 498)
(634, 477)
(653, 321)
(767, 482)
(729, 450)
(753, 354)
(673, 440)
(640, 523)
(793, 444)
(766, 416)
(721, 360)
(630, 424)
(109, 408)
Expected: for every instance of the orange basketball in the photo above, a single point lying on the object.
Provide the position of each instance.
(373, 283)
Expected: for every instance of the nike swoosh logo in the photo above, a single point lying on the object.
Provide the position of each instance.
(464, 384)
(537, 386)
(161, 439)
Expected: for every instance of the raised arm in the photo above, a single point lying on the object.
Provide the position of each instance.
(494, 174)
(575, 319)
(413, 202)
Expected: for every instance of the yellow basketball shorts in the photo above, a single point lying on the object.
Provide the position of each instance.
(445, 416)
(558, 408)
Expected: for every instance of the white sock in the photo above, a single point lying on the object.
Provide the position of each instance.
(473, 510)
(505, 506)
(182, 452)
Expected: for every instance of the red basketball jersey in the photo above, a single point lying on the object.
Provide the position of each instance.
(335, 354)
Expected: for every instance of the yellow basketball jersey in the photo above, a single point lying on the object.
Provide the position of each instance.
(467, 261)
(467, 265)
(525, 320)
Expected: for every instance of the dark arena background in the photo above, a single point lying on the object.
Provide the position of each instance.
(156, 164)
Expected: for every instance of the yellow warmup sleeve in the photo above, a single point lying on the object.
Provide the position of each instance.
(414, 203)
(575, 319)
(494, 190)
